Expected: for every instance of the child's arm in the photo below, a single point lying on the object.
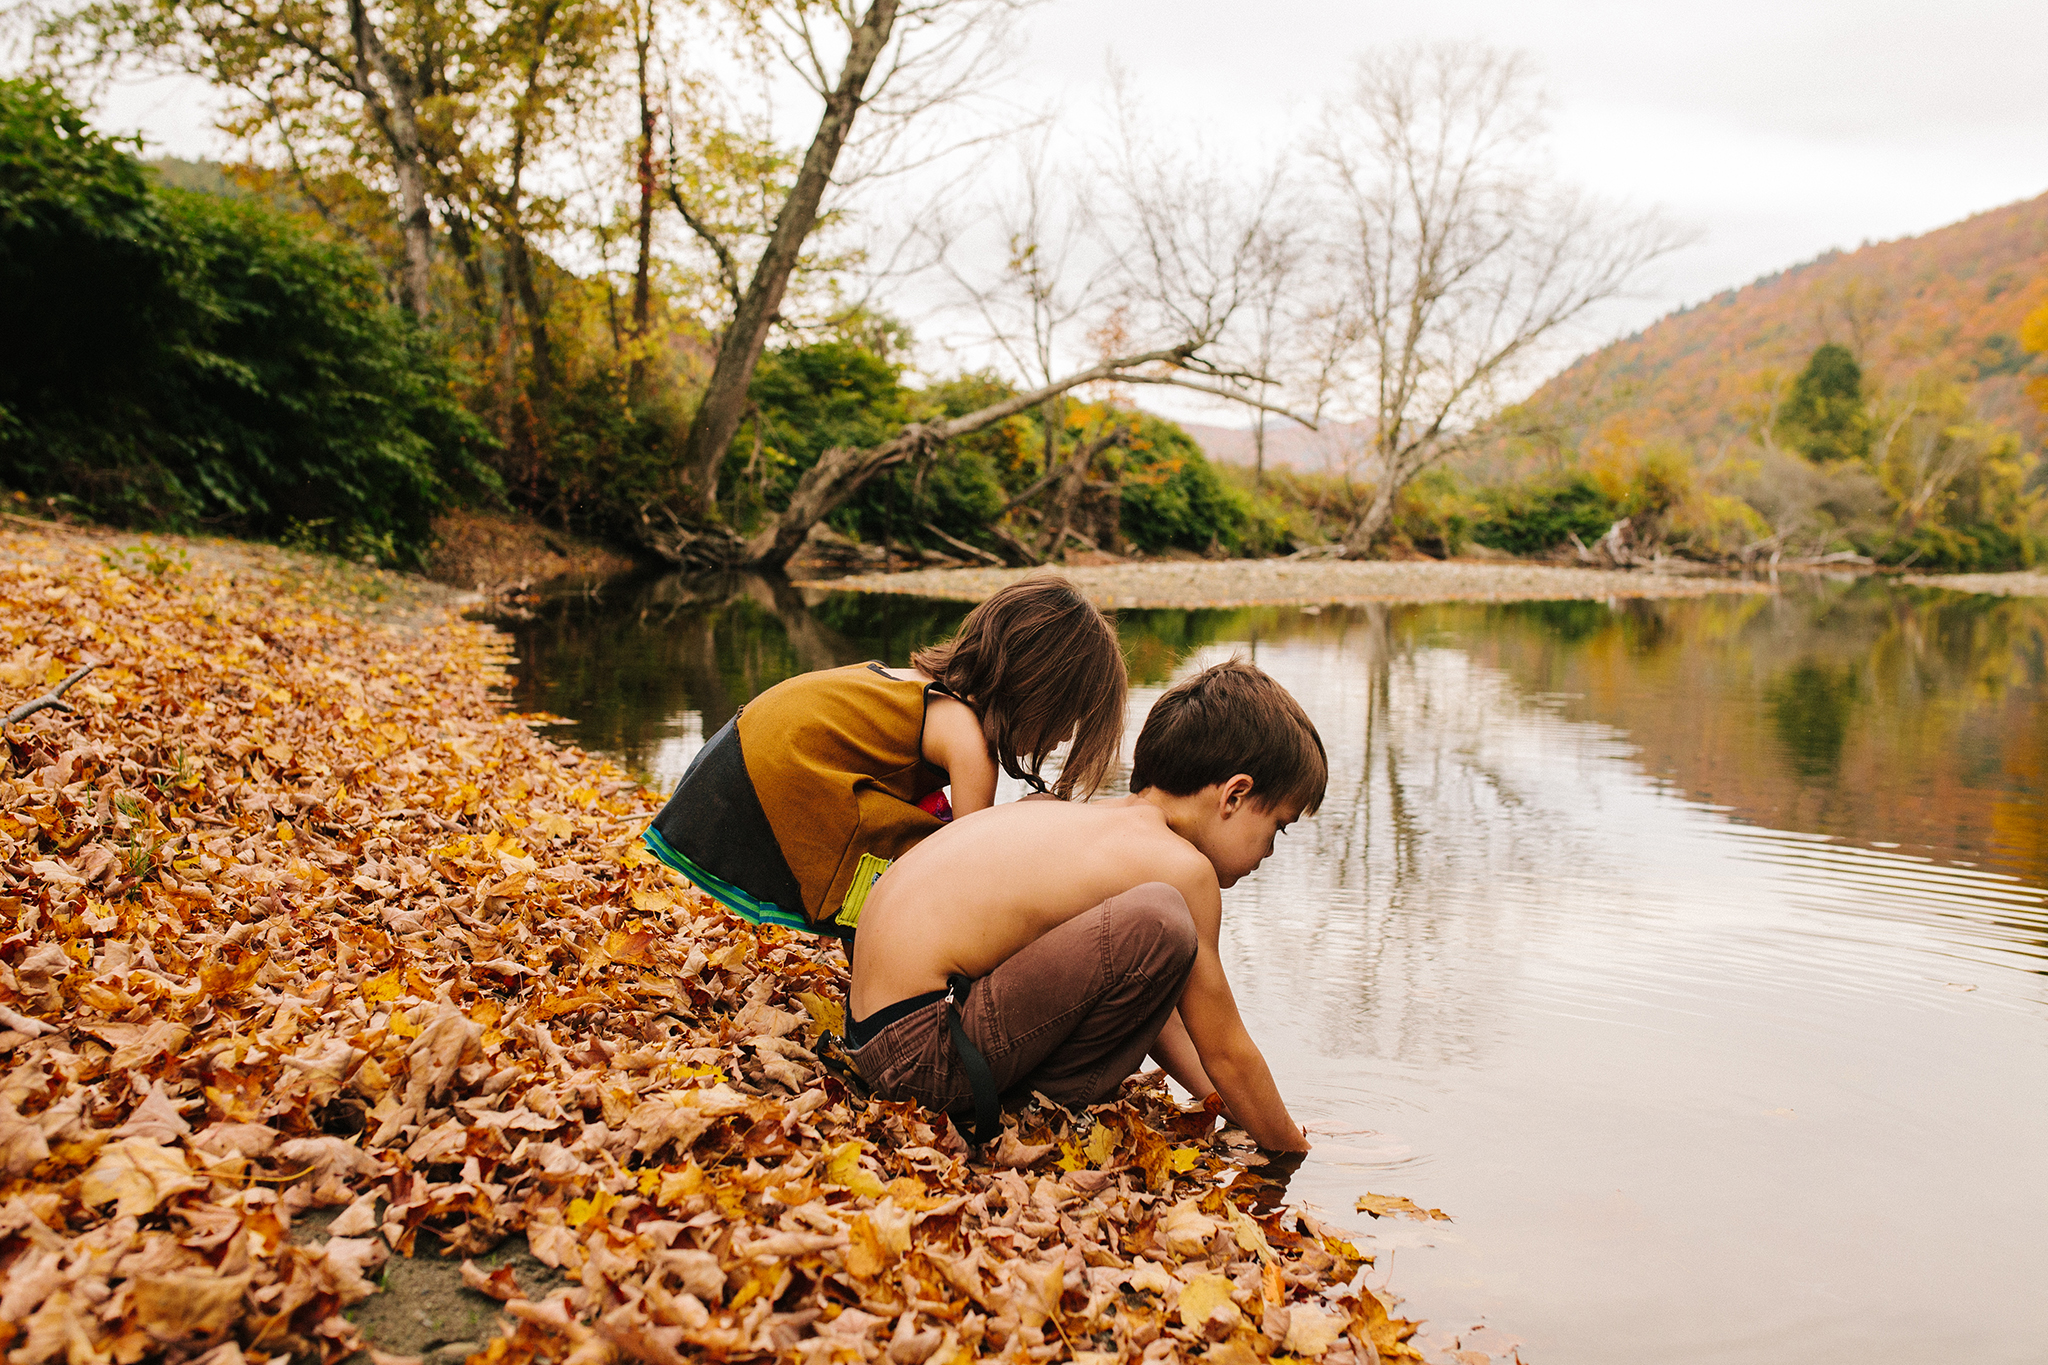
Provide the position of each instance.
(953, 741)
(1232, 1060)
(1176, 1052)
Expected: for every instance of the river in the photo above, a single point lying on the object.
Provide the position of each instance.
(1692, 955)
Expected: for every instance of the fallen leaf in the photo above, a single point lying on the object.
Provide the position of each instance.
(1202, 1296)
(137, 1175)
(499, 1284)
(1394, 1205)
(1311, 1330)
(174, 1307)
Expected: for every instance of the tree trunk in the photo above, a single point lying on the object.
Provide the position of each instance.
(1371, 524)
(508, 353)
(725, 398)
(1059, 516)
(463, 239)
(642, 38)
(394, 110)
(521, 262)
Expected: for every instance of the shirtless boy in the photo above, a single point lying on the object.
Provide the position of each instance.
(1089, 931)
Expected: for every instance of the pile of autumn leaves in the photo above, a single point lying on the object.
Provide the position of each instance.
(296, 918)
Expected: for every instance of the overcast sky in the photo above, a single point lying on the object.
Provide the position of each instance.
(1774, 131)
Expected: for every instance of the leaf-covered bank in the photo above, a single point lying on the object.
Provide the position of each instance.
(297, 918)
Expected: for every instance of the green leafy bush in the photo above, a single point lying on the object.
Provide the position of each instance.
(1173, 498)
(1531, 518)
(179, 360)
(1435, 513)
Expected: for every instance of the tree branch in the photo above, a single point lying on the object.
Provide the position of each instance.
(1180, 383)
(974, 551)
(51, 700)
(728, 270)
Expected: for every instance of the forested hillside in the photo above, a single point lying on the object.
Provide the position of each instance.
(1948, 305)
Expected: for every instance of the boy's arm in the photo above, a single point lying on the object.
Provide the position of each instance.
(953, 741)
(1232, 1060)
(1177, 1053)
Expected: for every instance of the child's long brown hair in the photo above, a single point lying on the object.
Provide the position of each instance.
(1037, 660)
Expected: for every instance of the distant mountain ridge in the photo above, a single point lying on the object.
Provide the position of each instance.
(1950, 301)
(1289, 445)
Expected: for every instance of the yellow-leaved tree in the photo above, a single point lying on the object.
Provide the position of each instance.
(2034, 338)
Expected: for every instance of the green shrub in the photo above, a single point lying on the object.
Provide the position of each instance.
(1824, 417)
(1173, 497)
(1531, 518)
(1435, 513)
(175, 359)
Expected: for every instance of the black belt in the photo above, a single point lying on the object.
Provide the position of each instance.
(988, 1108)
(861, 1032)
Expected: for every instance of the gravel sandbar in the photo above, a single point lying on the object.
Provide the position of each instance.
(1286, 582)
(2032, 583)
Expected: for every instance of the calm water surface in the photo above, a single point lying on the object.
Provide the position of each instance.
(1692, 955)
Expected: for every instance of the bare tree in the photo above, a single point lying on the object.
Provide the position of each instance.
(1190, 256)
(1460, 256)
(899, 58)
(1053, 279)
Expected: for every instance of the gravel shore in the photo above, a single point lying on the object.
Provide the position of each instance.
(1285, 582)
(2032, 583)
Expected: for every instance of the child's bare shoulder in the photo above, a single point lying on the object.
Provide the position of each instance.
(1136, 838)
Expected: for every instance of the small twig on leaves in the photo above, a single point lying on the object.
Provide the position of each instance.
(53, 698)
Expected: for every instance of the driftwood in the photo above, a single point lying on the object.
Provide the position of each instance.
(972, 551)
(1020, 555)
(51, 700)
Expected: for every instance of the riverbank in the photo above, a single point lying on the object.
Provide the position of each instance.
(314, 958)
(1294, 582)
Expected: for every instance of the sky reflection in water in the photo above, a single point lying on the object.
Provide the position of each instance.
(1692, 955)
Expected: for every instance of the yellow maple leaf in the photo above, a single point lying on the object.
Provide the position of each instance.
(386, 987)
(1204, 1295)
(844, 1168)
(598, 1205)
(830, 1015)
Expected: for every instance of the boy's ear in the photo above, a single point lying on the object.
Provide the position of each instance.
(1235, 793)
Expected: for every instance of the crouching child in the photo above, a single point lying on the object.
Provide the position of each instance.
(1047, 946)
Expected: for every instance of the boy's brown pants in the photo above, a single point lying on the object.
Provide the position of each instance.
(1071, 1015)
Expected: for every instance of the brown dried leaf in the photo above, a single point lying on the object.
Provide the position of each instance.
(1394, 1205)
(174, 1307)
(137, 1175)
(499, 1284)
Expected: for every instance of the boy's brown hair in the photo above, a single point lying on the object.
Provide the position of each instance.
(1226, 720)
(1036, 661)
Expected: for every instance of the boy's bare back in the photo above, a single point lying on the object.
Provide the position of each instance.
(978, 891)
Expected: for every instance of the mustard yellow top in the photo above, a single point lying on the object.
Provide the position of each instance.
(836, 758)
